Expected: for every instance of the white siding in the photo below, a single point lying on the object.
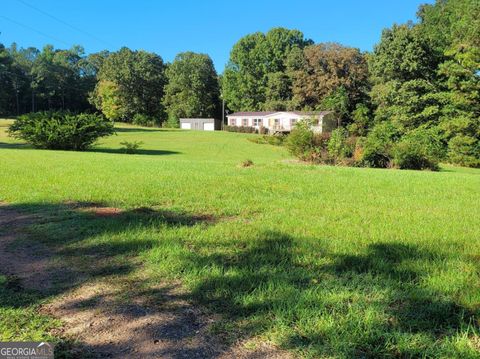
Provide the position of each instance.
(284, 122)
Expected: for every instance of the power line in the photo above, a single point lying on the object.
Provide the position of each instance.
(34, 30)
(63, 22)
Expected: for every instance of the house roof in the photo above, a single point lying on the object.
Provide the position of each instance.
(258, 113)
(267, 113)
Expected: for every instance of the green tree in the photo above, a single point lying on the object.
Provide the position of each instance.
(362, 120)
(329, 70)
(192, 89)
(427, 76)
(248, 82)
(338, 102)
(402, 54)
(139, 77)
(6, 86)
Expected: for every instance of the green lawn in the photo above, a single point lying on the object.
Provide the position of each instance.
(323, 261)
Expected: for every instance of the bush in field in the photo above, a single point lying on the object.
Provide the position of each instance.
(131, 147)
(377, 146)
(144, 120)
(300, 142)
(171, 122)
(61, 130)
(263, 130)
(275, 140)
(340, 146)
(464, 151)
(420, 149)
(246, 163)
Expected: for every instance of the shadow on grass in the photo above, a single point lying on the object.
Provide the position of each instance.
(23, 146)
(265, 284)
(143, 129)
(7, 145)
(370, 304)
(137, 152)
(89, 245)
(68, 229)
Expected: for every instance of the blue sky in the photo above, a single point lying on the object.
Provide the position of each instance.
(208, 26)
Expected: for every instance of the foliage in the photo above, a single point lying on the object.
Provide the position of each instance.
(330, 70)
(111, 105)
(139, 80)
(361, 120)
(337, 102)
(408, 104)
(61, 130)
(402, 55)
(172, 122)
(300, 141)
(377, 146)
(46, 79)
(246, 163)
(131, 147)
(418, 150)
(464, 151)
(241, 129)
(192, 88)
(256, 72)
(144, 120)
(425, 75)
(338, 145)
(275, 140)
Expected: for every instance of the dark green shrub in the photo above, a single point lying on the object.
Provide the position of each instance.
(339, 147)
(241, 129)
(172, 122)
(320, 140)
(246, 163)
(418, 150)
(464, 151)
(144, 120)
(300, 142)
(61, 130)
(377, 146)
(131, 147)
(263, 130)
(275, 140)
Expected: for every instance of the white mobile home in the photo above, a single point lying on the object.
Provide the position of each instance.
(281, 121)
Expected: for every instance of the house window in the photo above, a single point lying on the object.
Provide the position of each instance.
(293, 122)
(257, 122)
(233, 122)
(245, 122)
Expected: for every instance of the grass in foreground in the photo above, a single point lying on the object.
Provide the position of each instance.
(323, 261)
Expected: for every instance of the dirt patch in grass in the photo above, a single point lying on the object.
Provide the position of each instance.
(103, 211)
(115, 316)
(28, 262)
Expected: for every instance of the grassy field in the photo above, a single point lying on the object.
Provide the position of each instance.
(322, 261)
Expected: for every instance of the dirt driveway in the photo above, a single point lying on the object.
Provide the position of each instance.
(159, 322)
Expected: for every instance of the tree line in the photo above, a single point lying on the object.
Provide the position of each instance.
(422, 76)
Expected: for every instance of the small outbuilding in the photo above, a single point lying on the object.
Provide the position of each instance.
(202, 124)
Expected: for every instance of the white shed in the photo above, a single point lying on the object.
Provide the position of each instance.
(202, 124)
